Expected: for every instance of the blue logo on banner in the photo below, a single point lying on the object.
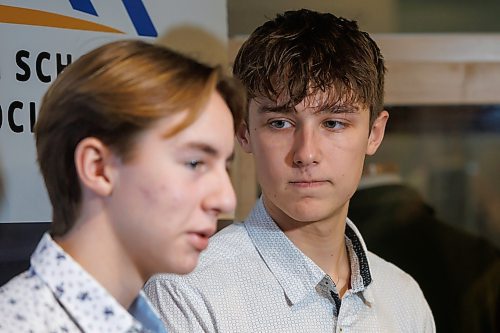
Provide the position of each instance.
(135, 9)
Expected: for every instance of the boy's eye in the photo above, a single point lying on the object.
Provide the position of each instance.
(194, 164)
(280, 123)
(334, 124)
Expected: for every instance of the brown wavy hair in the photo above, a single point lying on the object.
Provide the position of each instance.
(301, 53)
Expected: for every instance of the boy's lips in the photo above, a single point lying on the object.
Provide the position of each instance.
(309, 182)
(199, 239)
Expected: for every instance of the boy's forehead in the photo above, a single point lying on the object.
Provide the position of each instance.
(317, 102)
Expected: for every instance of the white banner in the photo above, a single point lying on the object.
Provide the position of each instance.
(38, 39)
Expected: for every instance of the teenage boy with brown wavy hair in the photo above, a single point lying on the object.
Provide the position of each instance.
(297, 263)
(133, 142)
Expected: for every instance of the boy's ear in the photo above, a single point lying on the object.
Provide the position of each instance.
(243, 137)
(93, 161)
(377, 132)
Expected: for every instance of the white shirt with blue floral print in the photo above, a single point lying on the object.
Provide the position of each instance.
(57, 295)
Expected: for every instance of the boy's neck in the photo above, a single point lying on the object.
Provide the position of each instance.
(323, 242)
(90, 244)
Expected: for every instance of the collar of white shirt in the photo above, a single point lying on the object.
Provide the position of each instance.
(297, 274)
(83, 298)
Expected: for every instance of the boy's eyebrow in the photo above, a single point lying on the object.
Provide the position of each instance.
(275, 109)
(340, 109)
(203, 147)
(324, 109)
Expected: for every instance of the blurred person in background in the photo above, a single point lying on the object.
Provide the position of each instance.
(459, 273)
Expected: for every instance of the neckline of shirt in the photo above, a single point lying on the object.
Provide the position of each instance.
(296, 273)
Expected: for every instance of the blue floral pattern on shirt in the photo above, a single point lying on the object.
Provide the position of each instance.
(57, 295)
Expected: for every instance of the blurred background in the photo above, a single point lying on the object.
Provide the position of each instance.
(381, 16)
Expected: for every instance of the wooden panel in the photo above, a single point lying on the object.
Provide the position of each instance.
(244, 181)
(482, 83)
(442, 83)
(423, 83)
(243, 171)
(439, 47)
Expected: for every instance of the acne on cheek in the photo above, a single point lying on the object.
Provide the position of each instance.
(176, 196)
(153, 194)
(148, 194)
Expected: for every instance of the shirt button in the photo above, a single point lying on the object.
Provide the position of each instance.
(341, 330)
